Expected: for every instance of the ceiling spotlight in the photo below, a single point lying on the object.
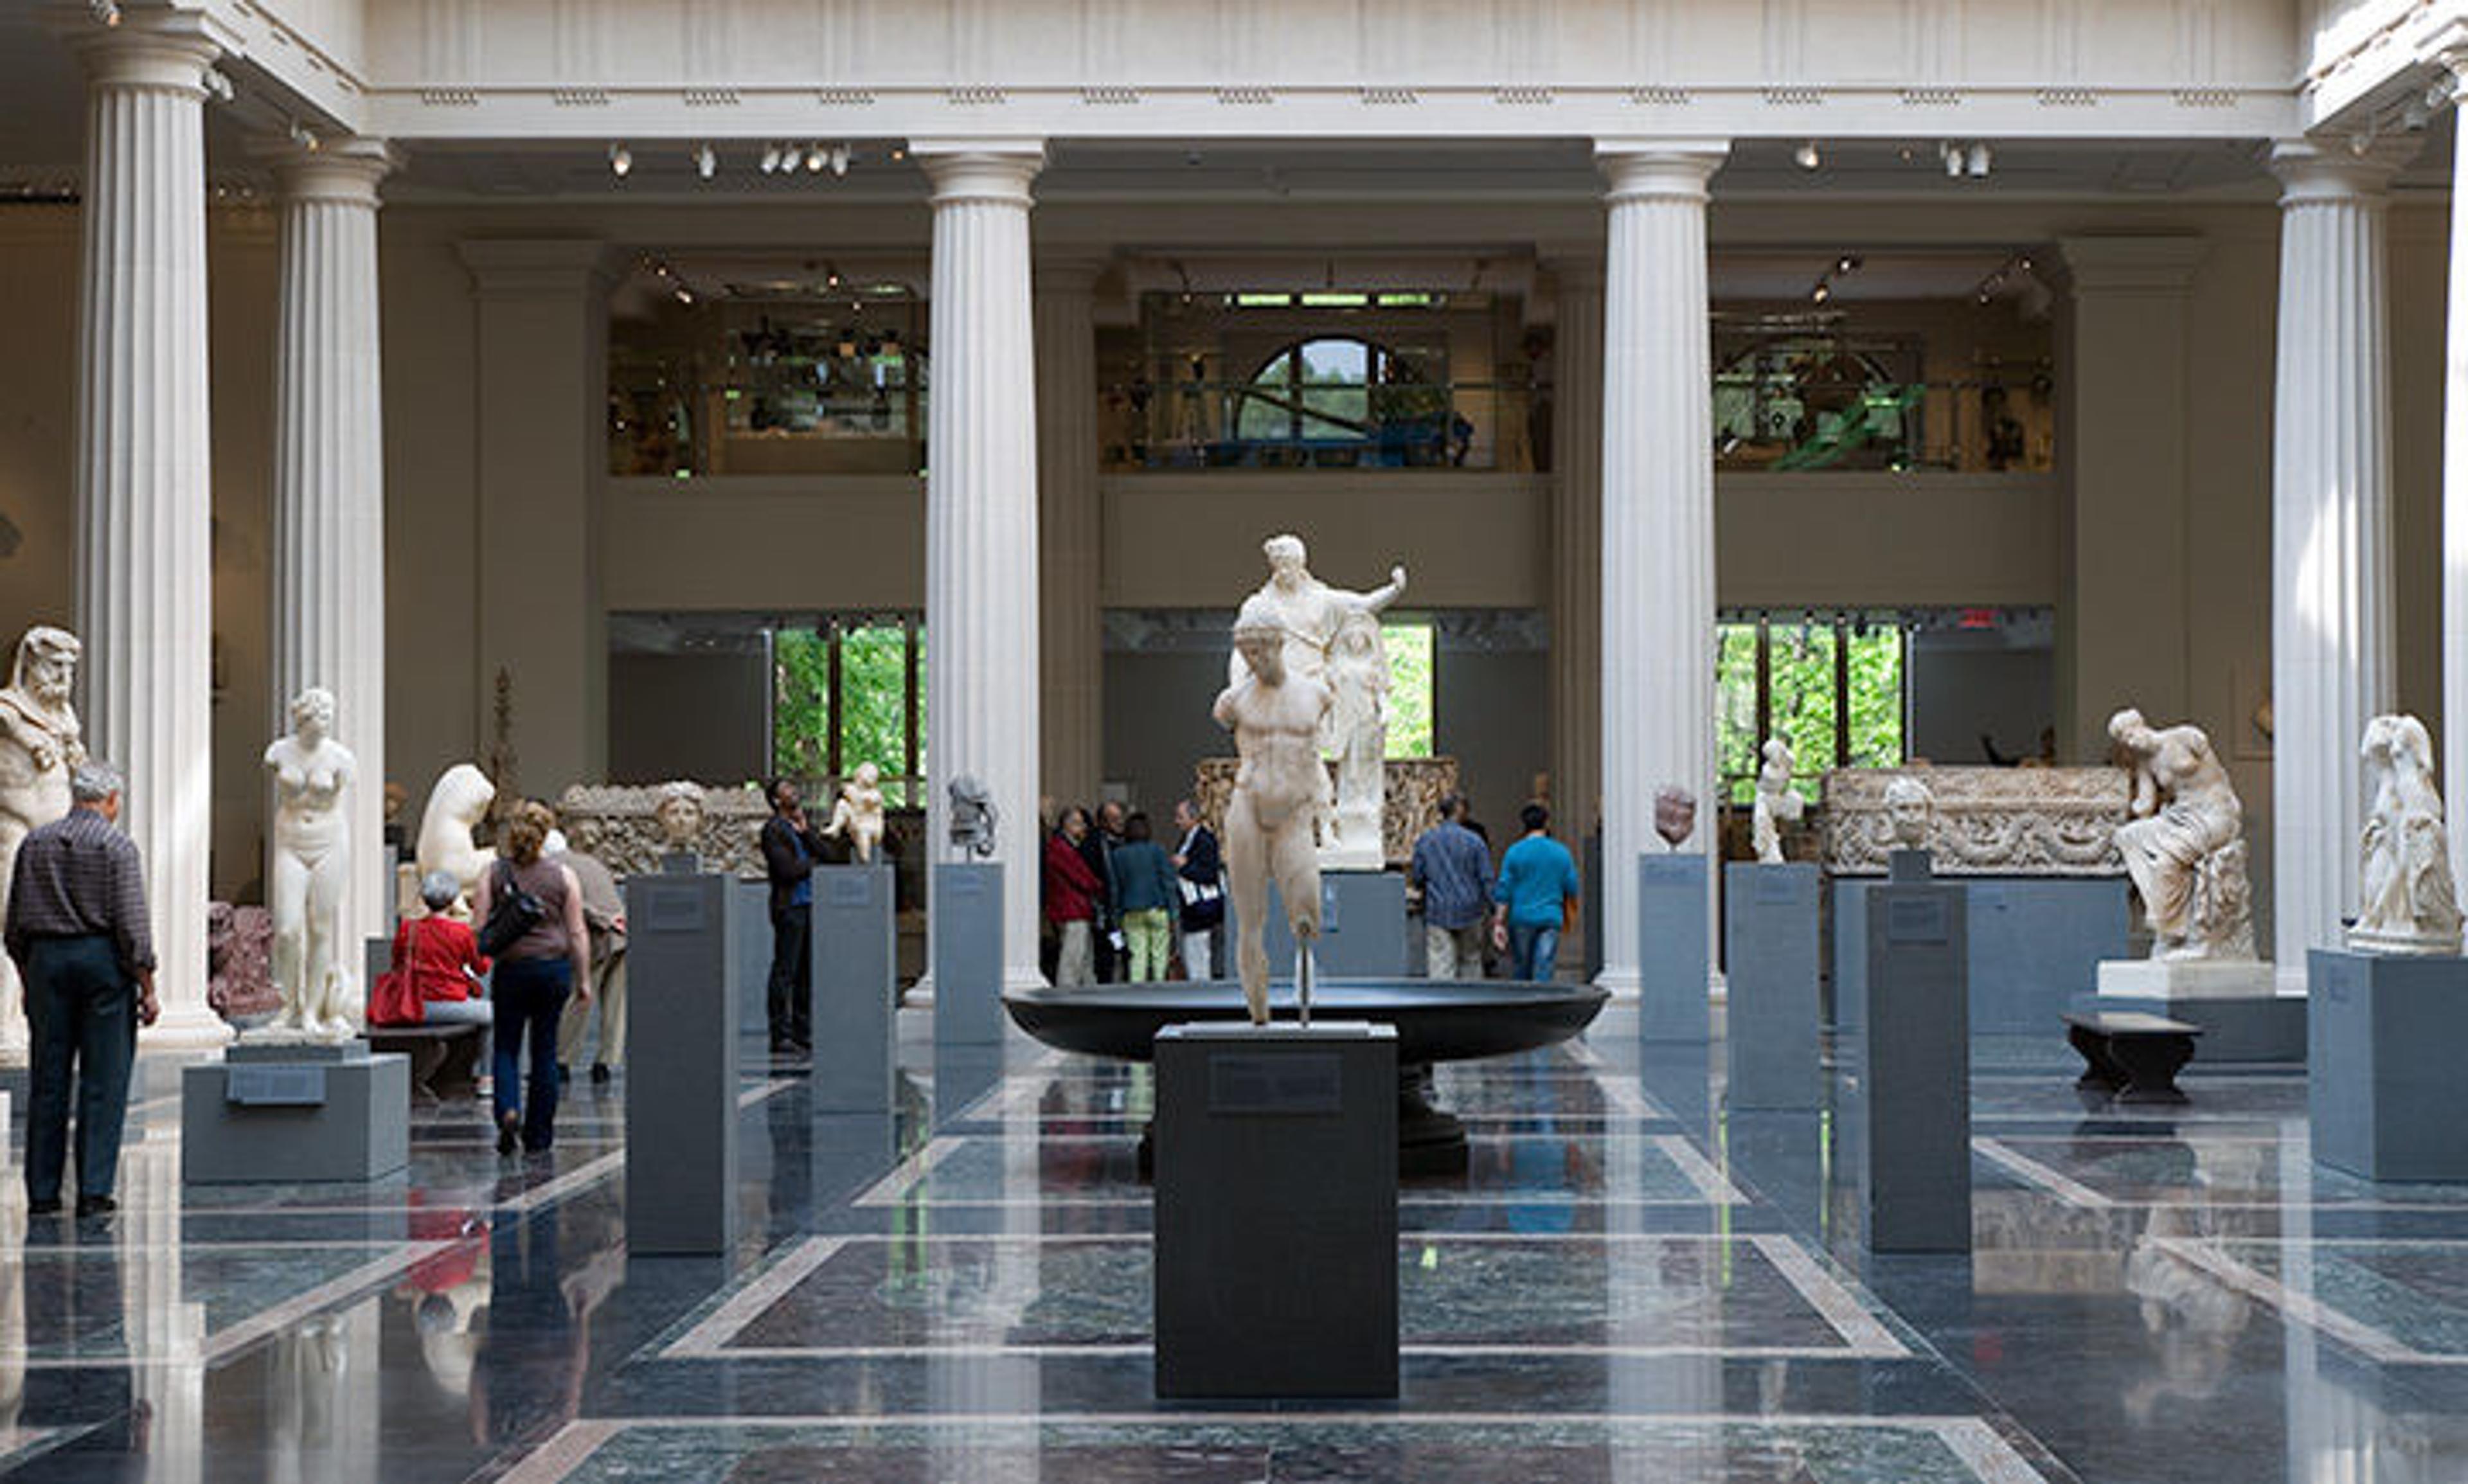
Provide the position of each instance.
(815, 159)
(1806, 156)
(685, 295)
(1952, 154)
(1848, 262)
(1821, 292)
(831, 277)
(621, 161)
(706, 162)
(1978, 164)
(839, 160)
(899, 152)
(770, 158)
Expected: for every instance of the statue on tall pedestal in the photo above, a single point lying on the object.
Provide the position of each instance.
(2411, 905)
(1775, 802)
(858, 813)
(40, 745)
(1332, 637)
(456, 806)
(1277, 716)
(2184, 843)
(310, 866)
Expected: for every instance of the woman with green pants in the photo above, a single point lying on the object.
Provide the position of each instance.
(1147, 893)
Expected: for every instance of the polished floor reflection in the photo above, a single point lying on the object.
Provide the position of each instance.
(1629, 1283)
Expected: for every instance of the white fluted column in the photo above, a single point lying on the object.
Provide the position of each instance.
(981, 548)
(144, 488)
(1657, 531)
(2454, 730)
(1577, 550)
(2331, 495)
(328, 614)
(1071, 622)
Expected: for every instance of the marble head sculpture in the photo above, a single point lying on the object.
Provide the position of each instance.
(1910, 807)
(2411, 905)
(1275, 714)
(456, 806)
(1675, 815)
(2183, 841)
(677, 809)
(973, 816)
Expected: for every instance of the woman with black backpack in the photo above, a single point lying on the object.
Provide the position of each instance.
(531, 915)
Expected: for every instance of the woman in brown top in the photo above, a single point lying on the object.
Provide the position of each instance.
(534, 976)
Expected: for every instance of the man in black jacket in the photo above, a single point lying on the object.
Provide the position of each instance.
(790, 851)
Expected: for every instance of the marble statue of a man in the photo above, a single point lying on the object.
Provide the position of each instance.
(1776, 802)
(1276, 715)
(40, 745)
(2411, 903)
(1317, 619)
(456, 806)
(2185, 844)
(859, 812)
(309, 864)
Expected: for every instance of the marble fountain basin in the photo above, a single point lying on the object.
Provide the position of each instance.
(1436, 1019)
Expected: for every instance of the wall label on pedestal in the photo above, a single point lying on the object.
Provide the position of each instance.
(851, 891)
(671, 909)
(1673, 868)
(1295, 1082)
(275, 1086)
(1915, 920)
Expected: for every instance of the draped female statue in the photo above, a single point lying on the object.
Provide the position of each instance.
(2184, 842)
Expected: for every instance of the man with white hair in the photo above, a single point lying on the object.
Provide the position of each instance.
(77, 928)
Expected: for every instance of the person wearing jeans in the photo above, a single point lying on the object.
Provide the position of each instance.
(1146, 892)
(1453, 869)
(1538, 887)
(534, 975)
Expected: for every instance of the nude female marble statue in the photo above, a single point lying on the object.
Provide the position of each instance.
(1315, 617)
(309, 865)
(859, 812)
(40, 745)
(2183, 845)
(1775, 802)
(2411, 903)
(456, 806)
(1276, 716)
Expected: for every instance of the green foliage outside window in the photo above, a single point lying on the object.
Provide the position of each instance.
(874, 702)
(1801, 701)
(1410, 651)
(800, 703)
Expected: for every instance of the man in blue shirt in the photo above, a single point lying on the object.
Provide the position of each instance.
(1452, 870)
(1538, 885)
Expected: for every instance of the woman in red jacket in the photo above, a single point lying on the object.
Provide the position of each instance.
(1071, 894)
(437, 966)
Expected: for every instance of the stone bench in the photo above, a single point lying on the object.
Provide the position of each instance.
(445, 1059)
(2133, 1056)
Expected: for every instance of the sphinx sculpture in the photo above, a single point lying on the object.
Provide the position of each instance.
(2411, 903)
(40, 744)
(309, 864)
(858, 813)
(2184, 842)
(1775, 804)
(1331, 638)
(456, 806)
(1276, 716)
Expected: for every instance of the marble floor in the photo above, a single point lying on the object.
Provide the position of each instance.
(1629, 1283)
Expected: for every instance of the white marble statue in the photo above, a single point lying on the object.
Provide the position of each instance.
(1776, 803)
(1276, 716)
(456, 806)
(1315, 618)
(2411, 905)
(309, 865)
(2183, 843)
(679, 816)
(40, 745)
(1910, 810)
(859, 812)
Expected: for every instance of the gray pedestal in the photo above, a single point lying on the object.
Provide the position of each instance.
(854, 980)
(1771, 961)
(1361, 924)
(1277, 1211)
(2036, 943)
(1914, 1102)
(681, 1091)
(291, 1113)
(2388, 1100)
(749, 971)
(1673, 974)
(968, 954)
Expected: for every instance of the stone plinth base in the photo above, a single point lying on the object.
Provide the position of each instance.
(1910, 1122)
(1673, 976)
(291, 1113)
(1771, 949)
(1269, 1286)
(2388, 1101)
(2234, 1000)
(681, 1080)
(2185, 978)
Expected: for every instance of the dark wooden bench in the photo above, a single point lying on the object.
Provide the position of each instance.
(445, 1059)
(2133, 1056)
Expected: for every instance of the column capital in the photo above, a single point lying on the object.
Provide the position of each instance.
(980, 170)
(345, 171)
(2132, 265)
(2318, 171)
(1643, 170)
(152, 48)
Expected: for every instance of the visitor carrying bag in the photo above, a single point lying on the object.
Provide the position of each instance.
(392, 999)
(511, 913)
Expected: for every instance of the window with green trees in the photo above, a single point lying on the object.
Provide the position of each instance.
(1831, 685)
(848, 691)
(1412, 648)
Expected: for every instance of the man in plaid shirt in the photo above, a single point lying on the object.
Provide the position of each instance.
(78, 931)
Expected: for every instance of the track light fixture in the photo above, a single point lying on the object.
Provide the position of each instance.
(706, 161)
(770, 163)
(1806, 156)
(621, 161)
(1976, 165)
(815, 159)
(839, 160)
(1821, 292)
(1848, 262)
